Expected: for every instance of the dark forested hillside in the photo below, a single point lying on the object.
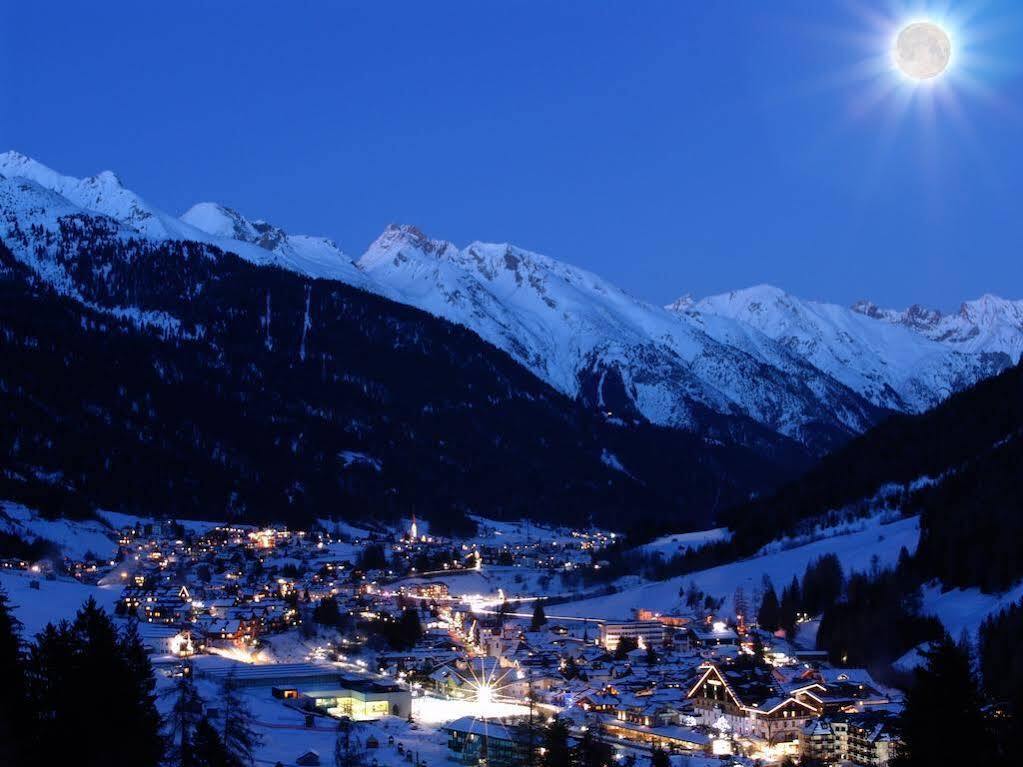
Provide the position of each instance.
(971, 448)
(173, 379)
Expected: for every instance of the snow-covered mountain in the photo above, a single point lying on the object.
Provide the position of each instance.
(988, 324)
(593, 341)
(892, 365)
(719, 366)
(314, 256)
(258, 242)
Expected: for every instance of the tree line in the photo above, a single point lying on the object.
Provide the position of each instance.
(83, 692)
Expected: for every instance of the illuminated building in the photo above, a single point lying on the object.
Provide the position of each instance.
(646, 633)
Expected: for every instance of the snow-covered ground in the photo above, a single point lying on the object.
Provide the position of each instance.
(54, 601)
(119, 520)
(285, 736)
(679, 543)
(855, 550)
(511, 581)
(75, 538)
(965, 609)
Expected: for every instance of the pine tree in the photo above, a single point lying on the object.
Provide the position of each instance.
(410, 629)
(944, 690)
(555, 750)
(140, 687)
(181, 724)
(791, 600)
(659, 757)
(348, 748)
(539, 617)
(770, 611)
(208, 749)
(238, 734)
(81, 658)
(15, 708)
(591, 752)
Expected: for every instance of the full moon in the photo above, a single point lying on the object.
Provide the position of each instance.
(923, 50)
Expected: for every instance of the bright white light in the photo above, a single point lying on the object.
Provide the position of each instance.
(484, 694)
(922, 50)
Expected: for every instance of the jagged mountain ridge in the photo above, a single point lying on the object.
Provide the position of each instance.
(892, 365)
(709, 367)
(595, 342)
(988, 324)
(313, 256)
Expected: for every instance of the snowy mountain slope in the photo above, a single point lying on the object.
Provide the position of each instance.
(314, 256)
(105, 195)
(731, 368)
(988, 324)
(593, 341)
(53, 600)
(855, 550)
(892, 366)
(74, 538)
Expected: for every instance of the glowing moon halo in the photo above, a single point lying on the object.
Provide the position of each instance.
(922, 50)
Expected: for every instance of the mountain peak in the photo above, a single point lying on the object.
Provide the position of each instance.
(681, 304)
(107, 178)
(398, 239)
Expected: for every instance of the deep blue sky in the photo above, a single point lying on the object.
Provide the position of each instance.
(670, 146)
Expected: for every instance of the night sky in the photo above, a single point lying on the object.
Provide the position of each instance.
(672, 147)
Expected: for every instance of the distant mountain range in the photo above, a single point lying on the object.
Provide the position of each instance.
(756, 369)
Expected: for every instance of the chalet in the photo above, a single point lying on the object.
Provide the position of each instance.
(840, 696)
(750, 700)
(870, 739)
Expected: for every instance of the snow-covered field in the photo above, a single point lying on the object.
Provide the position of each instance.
(511, 581)
(855, 550)
(285, 736)
(965, 609)
(119, 520)
(679, 543)
(55, 600)
(74, 537)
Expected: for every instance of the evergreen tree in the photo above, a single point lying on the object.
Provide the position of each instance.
(15, 708)
(556, 752)
(185, 714)
(140, 686)
(823, 582)
(84, 658)
(789, 609)
(770, 611)
(591, 752)
(208, 749)
(539, 617)
(651, 655)
(571, 670)
(238, 734)
(410, 630)
(625, 646)
(348, 748)
(758, 649)
(943, 691)
(659, 757)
